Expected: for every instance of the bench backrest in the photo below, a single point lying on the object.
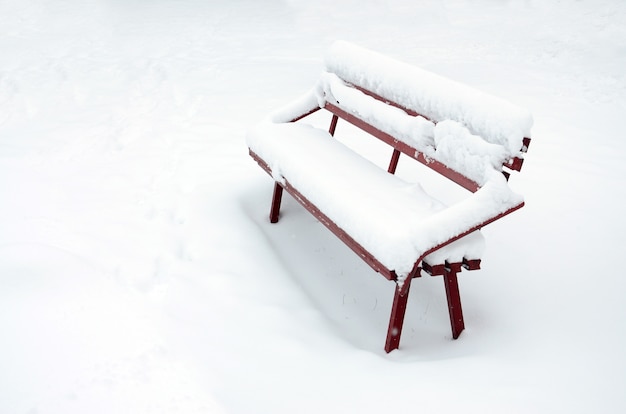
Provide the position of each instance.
(458, 131)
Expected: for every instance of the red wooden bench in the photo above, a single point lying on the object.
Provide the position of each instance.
(474, 139)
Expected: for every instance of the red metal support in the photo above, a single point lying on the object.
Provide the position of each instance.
(276, 199)
(398, 309)
(454, 301)
(333, 125)
(393, 164)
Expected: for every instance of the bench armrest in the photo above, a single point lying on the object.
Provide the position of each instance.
(490, 203)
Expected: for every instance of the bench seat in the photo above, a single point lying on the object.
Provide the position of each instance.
(396, 221)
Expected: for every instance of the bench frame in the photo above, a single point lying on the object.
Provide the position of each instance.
(448, 270)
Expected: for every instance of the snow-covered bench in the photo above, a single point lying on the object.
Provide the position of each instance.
(470, 137)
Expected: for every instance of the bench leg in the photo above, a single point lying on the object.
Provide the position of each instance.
(333, 125)
(454, 302)
(276, 199)
(393, 164)
(398, 309)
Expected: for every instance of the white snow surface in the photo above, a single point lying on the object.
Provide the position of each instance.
(139, 272)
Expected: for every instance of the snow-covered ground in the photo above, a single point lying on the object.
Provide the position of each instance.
(139, 273)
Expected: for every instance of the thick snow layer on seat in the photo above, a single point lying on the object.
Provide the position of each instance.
(495, 120)
(394, 220)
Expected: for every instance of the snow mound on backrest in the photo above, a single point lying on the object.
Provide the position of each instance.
(495, 120)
